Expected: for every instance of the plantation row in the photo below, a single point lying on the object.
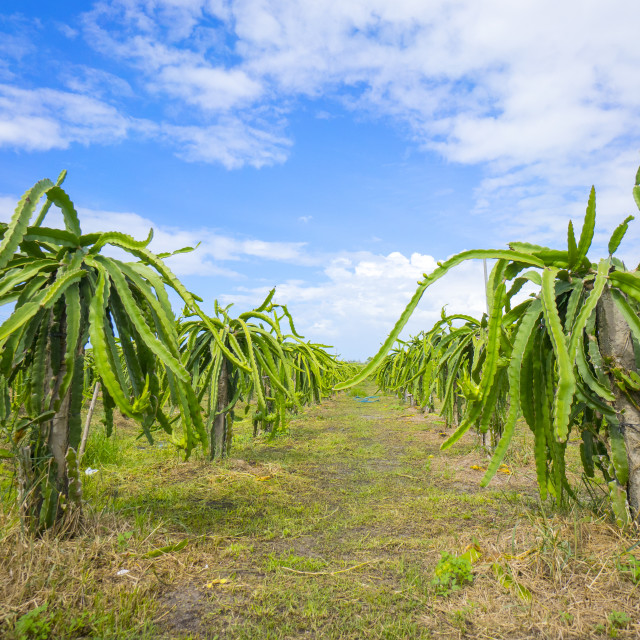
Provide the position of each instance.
(84, 321)
(565, 359)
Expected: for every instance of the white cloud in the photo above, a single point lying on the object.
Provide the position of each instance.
(542, 94)
(95, 82)
(7, 207)
(532, 91)
(208, 88)
(15, 38)
(175, 68)
(213, 247)
(522, 205)
(534, 83)
(216, 112)
(230, 143)
(43, 119)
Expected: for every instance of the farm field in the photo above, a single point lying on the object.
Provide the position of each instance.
(332, 531)
(319, 321)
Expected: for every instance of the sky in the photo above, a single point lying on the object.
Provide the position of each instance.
(333, 149)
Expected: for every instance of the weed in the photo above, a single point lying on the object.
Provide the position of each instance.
(451, 573)
(123, 540)
(34, 625)
(630, 566)
(427, 464)
(567, 617)
(556, 549)
(82, 624)
(618, 620)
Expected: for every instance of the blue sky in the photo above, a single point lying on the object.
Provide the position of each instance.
(335, 150)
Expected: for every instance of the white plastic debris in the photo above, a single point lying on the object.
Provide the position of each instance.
(89, 471)
(122, 572)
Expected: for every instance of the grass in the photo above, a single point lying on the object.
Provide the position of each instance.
(332, 531)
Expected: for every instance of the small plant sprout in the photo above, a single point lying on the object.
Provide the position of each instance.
(451, 573)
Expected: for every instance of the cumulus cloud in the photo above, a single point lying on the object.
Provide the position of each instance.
(539, 83)
(210, 88)
(539, 93)
(476, 81)
(44, 119)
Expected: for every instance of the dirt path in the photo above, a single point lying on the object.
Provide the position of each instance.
(335, 530)
(331, 532)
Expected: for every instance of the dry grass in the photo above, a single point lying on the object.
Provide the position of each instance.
(570, 570)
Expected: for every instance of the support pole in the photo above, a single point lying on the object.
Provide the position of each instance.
(87, 424)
